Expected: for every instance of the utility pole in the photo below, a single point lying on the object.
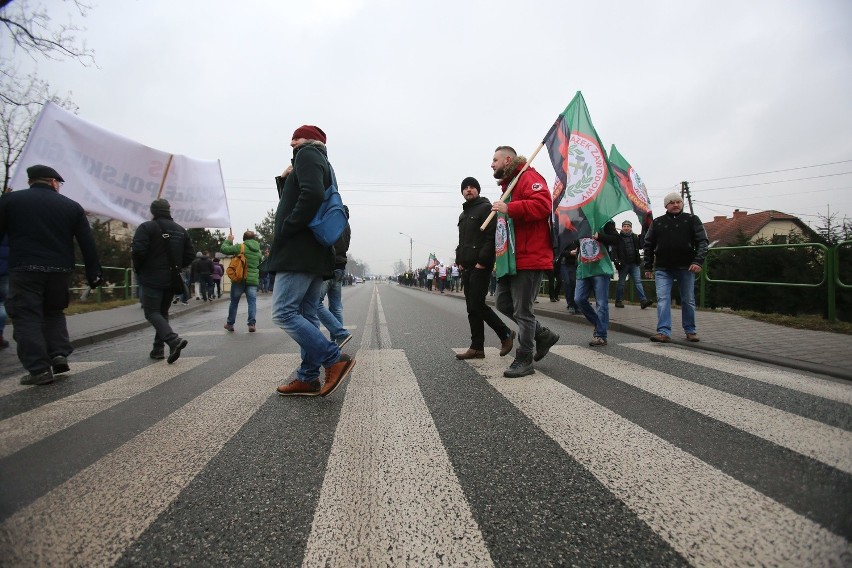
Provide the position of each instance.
(410, 248)
(685, 195)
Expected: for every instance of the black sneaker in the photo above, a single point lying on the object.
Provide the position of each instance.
(158, 353)
(174, 350)
(42, 378)
(645, 303)
(619, 305)
(520, 367)
(545, 340)
(59, 364)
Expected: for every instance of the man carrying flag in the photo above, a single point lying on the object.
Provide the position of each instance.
(524, 252)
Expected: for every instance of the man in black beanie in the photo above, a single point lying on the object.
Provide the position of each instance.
(475, 254)
(160, 248)
(42, 226)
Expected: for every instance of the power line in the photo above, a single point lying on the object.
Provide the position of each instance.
(773, 171)
(752, 208)
(777, 181)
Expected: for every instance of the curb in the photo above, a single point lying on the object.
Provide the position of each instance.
(787, 362)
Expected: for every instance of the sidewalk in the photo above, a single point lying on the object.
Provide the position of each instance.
(726, 333)
(721, 332)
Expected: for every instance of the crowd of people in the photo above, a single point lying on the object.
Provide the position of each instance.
(39, 226)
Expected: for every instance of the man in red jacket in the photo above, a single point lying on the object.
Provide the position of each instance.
(529, 209)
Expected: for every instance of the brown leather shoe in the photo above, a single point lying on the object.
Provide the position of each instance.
(692, 337)
(660, 338)
(299, 388)
(336, 374)
(471, 354)
(506, 344)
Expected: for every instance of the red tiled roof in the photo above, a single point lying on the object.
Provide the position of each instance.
(723, 231)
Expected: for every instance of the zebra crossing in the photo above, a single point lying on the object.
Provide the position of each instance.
(396, 485)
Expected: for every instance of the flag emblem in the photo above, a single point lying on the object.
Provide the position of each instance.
(587, 170)
(590, 250)
(501, 237)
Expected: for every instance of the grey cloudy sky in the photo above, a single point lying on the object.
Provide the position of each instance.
(415, 96)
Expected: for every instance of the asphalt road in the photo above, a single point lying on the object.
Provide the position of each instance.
(635, 454)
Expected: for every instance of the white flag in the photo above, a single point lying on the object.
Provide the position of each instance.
(113, 176)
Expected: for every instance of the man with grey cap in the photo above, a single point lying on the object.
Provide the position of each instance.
(42, 226)
(160, 248)
(675, 247)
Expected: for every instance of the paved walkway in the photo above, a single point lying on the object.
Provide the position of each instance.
(728, 333)
(722, 332)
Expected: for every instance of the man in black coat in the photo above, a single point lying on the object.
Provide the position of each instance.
(156, 259)
(301, 263)
(475, 254)
(42, 226)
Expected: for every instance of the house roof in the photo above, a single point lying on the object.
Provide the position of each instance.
(723, 231)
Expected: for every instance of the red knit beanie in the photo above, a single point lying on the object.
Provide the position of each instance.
(309, 132)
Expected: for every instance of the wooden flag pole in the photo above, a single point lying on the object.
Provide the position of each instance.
(165, 174)
(512, 185)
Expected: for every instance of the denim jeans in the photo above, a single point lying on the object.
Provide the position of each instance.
(633, 271)
(237, 291)
(515, 297)
(664, 280)
(569, 282)
(332, 316)
(295, 298)
(598, 317)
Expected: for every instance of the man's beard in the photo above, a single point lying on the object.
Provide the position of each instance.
(499, 173)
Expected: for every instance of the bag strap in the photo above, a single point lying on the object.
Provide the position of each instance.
(327, 163)
(167, 240)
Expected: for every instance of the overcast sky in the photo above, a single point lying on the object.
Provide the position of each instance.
(415, 96)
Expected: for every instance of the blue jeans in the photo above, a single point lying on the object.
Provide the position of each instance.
(664, 280)
(633, 271)
(332, 316)
(295, 298)
(598, 317)
(237, 290)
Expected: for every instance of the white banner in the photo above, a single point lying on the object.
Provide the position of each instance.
(115, 177)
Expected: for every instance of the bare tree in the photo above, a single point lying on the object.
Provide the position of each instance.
(28, 28)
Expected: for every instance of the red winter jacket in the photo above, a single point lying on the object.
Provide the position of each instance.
(530, 210)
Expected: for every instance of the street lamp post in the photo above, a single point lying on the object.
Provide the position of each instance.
(410, 248)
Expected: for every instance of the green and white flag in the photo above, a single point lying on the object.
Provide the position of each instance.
(504, 245)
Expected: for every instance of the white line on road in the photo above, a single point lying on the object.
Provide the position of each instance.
(12, 385)
(390, 495)
(90, 519)
(840, 392)
(710, 518)
(29, 427)
(828, 444)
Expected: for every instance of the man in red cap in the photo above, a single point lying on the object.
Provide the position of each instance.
(301, 263)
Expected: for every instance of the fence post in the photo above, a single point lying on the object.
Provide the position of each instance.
(832, 265)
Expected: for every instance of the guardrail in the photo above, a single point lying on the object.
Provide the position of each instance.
(123, 276)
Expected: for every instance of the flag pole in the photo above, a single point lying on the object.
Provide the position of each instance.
(165, 174)
(512, 185)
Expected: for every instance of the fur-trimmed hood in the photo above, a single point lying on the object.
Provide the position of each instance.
(513, 170)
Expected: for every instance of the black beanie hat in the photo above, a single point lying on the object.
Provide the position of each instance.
(470, 182)
(161, 208)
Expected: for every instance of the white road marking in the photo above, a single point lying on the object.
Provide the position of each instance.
(12, 385)
(828, 444)
(390, 495)
(710, 518)
(106, 506)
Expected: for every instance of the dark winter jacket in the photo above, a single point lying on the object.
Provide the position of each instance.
(252, 252)
(629, 251)
(150, 255)
(675, 241)
(294, 248)
(42, 226)
(341, 247)
(475, 246)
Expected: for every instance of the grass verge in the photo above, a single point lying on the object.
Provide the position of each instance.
(815, 323)
(85, 307)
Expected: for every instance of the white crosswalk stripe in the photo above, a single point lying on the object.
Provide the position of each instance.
(387, 448)
(137, 481)
(391, 494)
(12, 385)
(29, 427)
(822, 442)
(678, 495)
(831, 390)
